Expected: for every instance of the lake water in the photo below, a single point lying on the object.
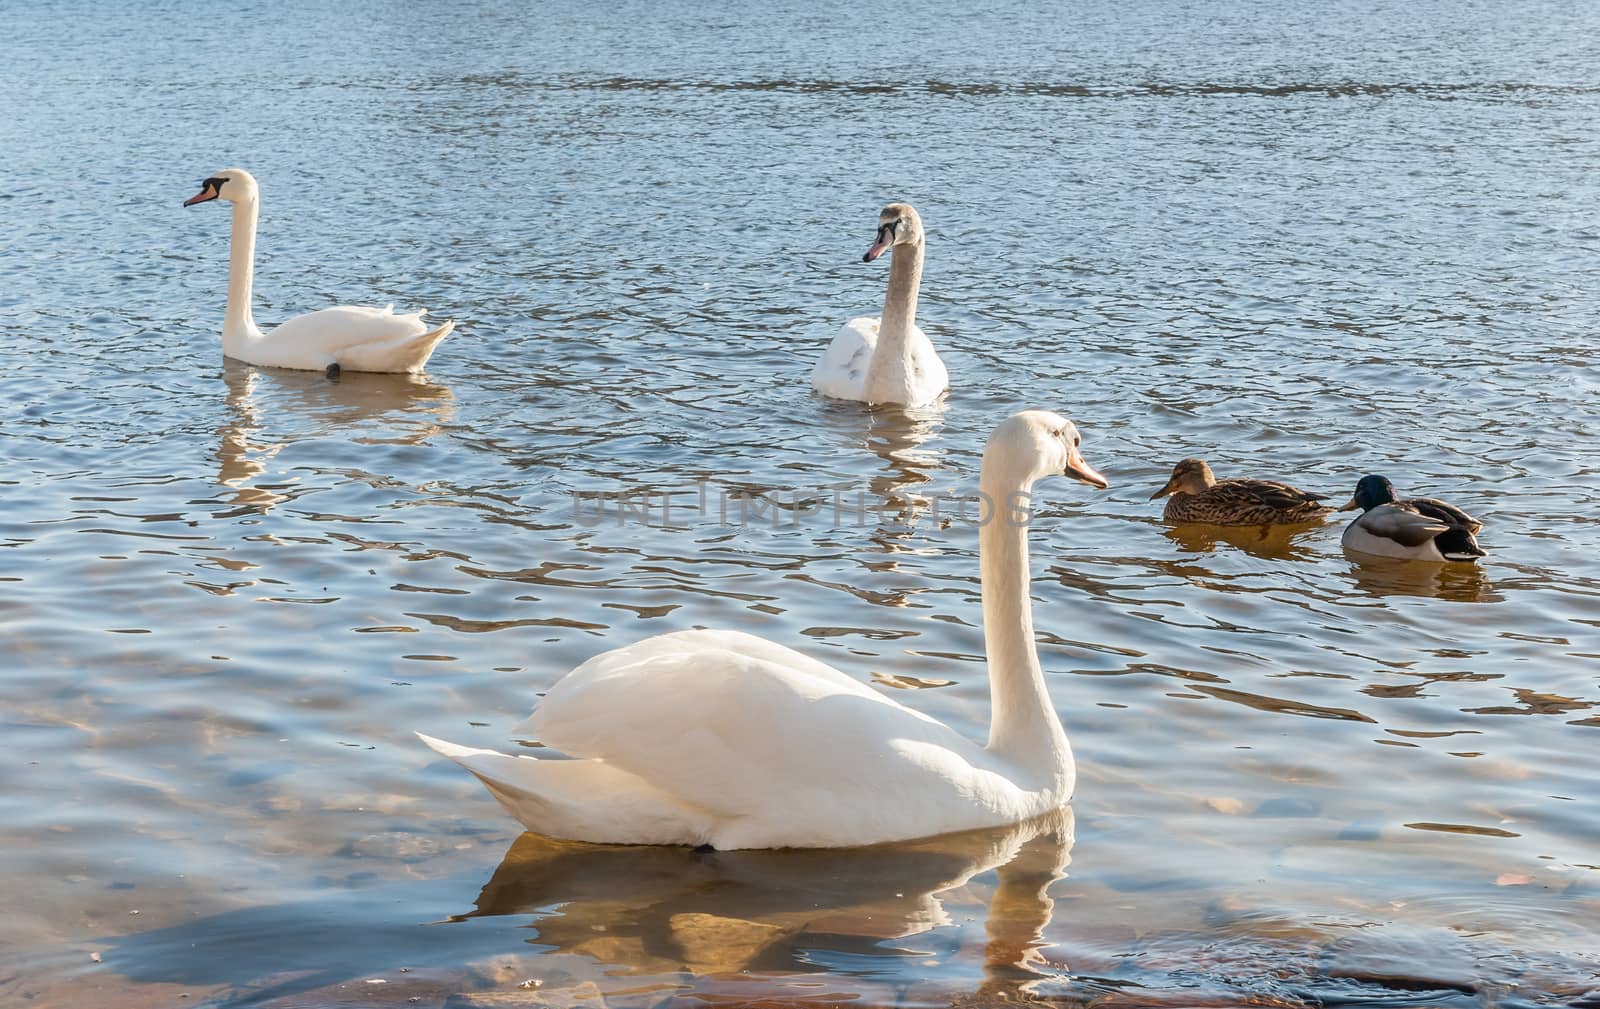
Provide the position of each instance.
(1304, 241)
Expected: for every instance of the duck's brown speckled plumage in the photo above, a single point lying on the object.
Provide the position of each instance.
(1198, 496)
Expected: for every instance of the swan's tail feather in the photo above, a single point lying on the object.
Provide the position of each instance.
(445, 748)
(581, 800)
(511, 780)
(429, 340)
(407, 352)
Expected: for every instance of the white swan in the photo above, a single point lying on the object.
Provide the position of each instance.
(887, 360)
(333, 339)
(727, 739)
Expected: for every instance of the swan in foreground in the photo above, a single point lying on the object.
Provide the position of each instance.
(331, 340)
(1198, 496)
(1419, 528)
(727, 739)
(887, 360)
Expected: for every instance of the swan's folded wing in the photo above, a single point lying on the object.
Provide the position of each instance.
(737, 725)
(843, 366)
(931, 376)
(335, 329)
(1401, 525)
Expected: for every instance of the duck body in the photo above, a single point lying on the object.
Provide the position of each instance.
(352, 337)
(1421, 529)
(1198, 496)
(842, 373)
(727, 739)
(888, 359)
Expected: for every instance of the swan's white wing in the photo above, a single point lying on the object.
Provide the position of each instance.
(749, 730)
(842, 371)
(356, 337)
(343, 326)
(929, 378)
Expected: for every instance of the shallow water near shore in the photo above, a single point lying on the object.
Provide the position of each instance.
(1303, 244)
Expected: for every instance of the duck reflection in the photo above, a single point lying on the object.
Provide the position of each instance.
(386, 409)
(1276, 542)
(654, 909)
(1385, 576)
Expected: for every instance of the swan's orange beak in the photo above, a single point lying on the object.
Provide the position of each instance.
(208, 191)
(883, 241)
(1080, 470)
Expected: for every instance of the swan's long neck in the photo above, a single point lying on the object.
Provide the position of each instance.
(888, 374)
(238, 326)
(1024, 727)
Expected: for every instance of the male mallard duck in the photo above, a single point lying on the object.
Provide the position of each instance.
(1418, 528)
(1198, 496)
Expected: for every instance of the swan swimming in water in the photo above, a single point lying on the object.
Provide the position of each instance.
(727, 739)
(345, 337)
(887, 360)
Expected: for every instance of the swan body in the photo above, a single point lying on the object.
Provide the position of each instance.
(1419, 529)
(344, 337)
(842, 372)
(887, 359)
(724, 738)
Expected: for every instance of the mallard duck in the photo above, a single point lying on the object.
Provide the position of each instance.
(1198, 496)
(1418, 528)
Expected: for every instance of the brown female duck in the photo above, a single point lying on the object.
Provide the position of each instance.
(1198, 496)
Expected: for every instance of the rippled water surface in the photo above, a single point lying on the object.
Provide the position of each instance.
(1306, 241)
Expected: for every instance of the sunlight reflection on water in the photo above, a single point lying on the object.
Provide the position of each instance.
(1303, 243)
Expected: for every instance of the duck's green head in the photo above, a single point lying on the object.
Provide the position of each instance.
(1371, 491)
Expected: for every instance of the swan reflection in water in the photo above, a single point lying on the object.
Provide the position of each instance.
(375, 408)
(1455, 581)
(645, 909)
(898, 436)
(1275, 542)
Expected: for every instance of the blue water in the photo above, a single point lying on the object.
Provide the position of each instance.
(1302, 242)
